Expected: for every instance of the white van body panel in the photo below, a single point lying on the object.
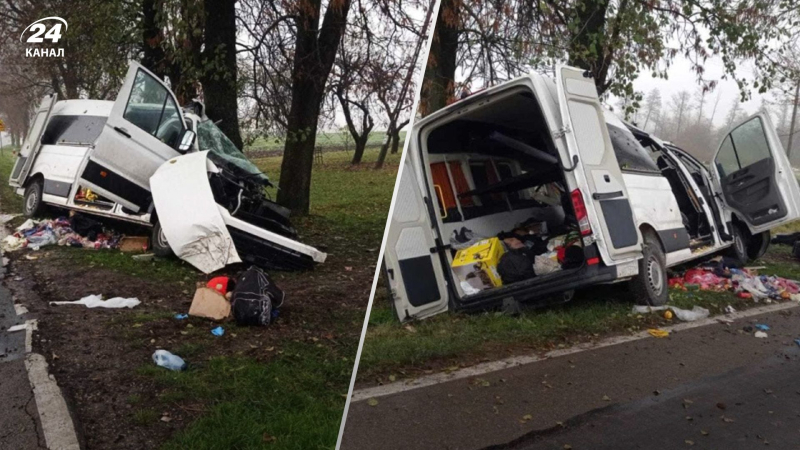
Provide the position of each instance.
(408, 247)
(598, 173)
(189, 215)
(32, 143)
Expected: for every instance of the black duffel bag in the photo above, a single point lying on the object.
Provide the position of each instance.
(255, 298)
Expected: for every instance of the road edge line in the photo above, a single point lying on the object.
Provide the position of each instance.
(516, 361)
(57, 426)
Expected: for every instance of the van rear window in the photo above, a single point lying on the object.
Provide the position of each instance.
(67, 130)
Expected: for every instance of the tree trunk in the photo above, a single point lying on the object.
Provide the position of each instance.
(313, 60)
(395, 142)
(153, 54)
(384, 148)
(438, 82)
(361, 145)
(219, 83)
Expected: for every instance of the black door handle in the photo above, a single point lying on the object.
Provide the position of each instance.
(606, 195)
(122, 131)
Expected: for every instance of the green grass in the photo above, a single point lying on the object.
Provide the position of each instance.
(292, 402)
(325, 140)
(453, 339)
(351, 201)
(10, 202)
(145, 417)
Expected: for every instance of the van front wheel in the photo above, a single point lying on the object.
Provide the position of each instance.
(650, 286)
(159, 242)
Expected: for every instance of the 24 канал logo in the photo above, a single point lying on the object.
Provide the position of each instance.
(38, 32)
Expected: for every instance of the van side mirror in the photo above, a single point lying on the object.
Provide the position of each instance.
(187, 140)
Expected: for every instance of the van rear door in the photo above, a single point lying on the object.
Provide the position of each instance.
(413, 268)
(754, 176)
(600, 180)
(33, 142)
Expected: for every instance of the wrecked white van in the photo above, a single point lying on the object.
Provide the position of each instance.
(528, 190)
(143, 159)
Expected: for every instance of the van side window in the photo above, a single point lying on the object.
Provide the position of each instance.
(151, 108)
(76, 130)
(631, 156)
(743, 147)
(726, 160)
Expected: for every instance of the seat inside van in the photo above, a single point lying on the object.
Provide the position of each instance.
(503, 203)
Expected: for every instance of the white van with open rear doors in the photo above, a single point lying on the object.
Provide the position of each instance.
(529, 190)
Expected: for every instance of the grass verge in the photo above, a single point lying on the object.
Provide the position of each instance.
(293, 402)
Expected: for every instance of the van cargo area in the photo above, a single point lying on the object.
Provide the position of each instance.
(503, 203)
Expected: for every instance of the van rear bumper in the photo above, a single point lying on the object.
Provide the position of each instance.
(535, 293)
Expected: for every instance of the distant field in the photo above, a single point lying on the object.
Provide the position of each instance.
(332, 139)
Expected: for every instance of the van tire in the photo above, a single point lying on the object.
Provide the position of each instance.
(32, 204)
(158, 241)
(738, 251)
(757, 245)
(650, 286)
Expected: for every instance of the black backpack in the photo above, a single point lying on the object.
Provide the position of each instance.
(255, 297)
(515, 265)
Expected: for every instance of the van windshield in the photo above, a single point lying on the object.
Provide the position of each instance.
(210, 137)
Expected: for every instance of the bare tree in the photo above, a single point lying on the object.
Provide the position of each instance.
(652, 105)
(681, 105)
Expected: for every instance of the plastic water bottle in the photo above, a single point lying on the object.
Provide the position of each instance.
(166, 359)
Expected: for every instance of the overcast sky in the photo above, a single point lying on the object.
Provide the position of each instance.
(681, 77)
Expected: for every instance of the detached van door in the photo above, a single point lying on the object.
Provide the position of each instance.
(33, 142)
(142, 132)
(601, 184)
(414, 273)
(755, 177)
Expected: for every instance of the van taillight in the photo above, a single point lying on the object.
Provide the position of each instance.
(580, 212)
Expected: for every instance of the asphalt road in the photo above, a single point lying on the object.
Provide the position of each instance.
(746, 408)
(19, 418)
(624, 396)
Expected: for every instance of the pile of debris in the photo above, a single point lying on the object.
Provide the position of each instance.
(75, 231)
(253, 300)
(722, 274)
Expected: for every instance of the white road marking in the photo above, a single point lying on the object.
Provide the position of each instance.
(57, 426)
(515, 361)
(20, 327)
(20, 309)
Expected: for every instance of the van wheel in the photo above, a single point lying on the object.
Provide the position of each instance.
(758, 245)
(650, 286)
(159, 242)
(738, 250)
(32, 202)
